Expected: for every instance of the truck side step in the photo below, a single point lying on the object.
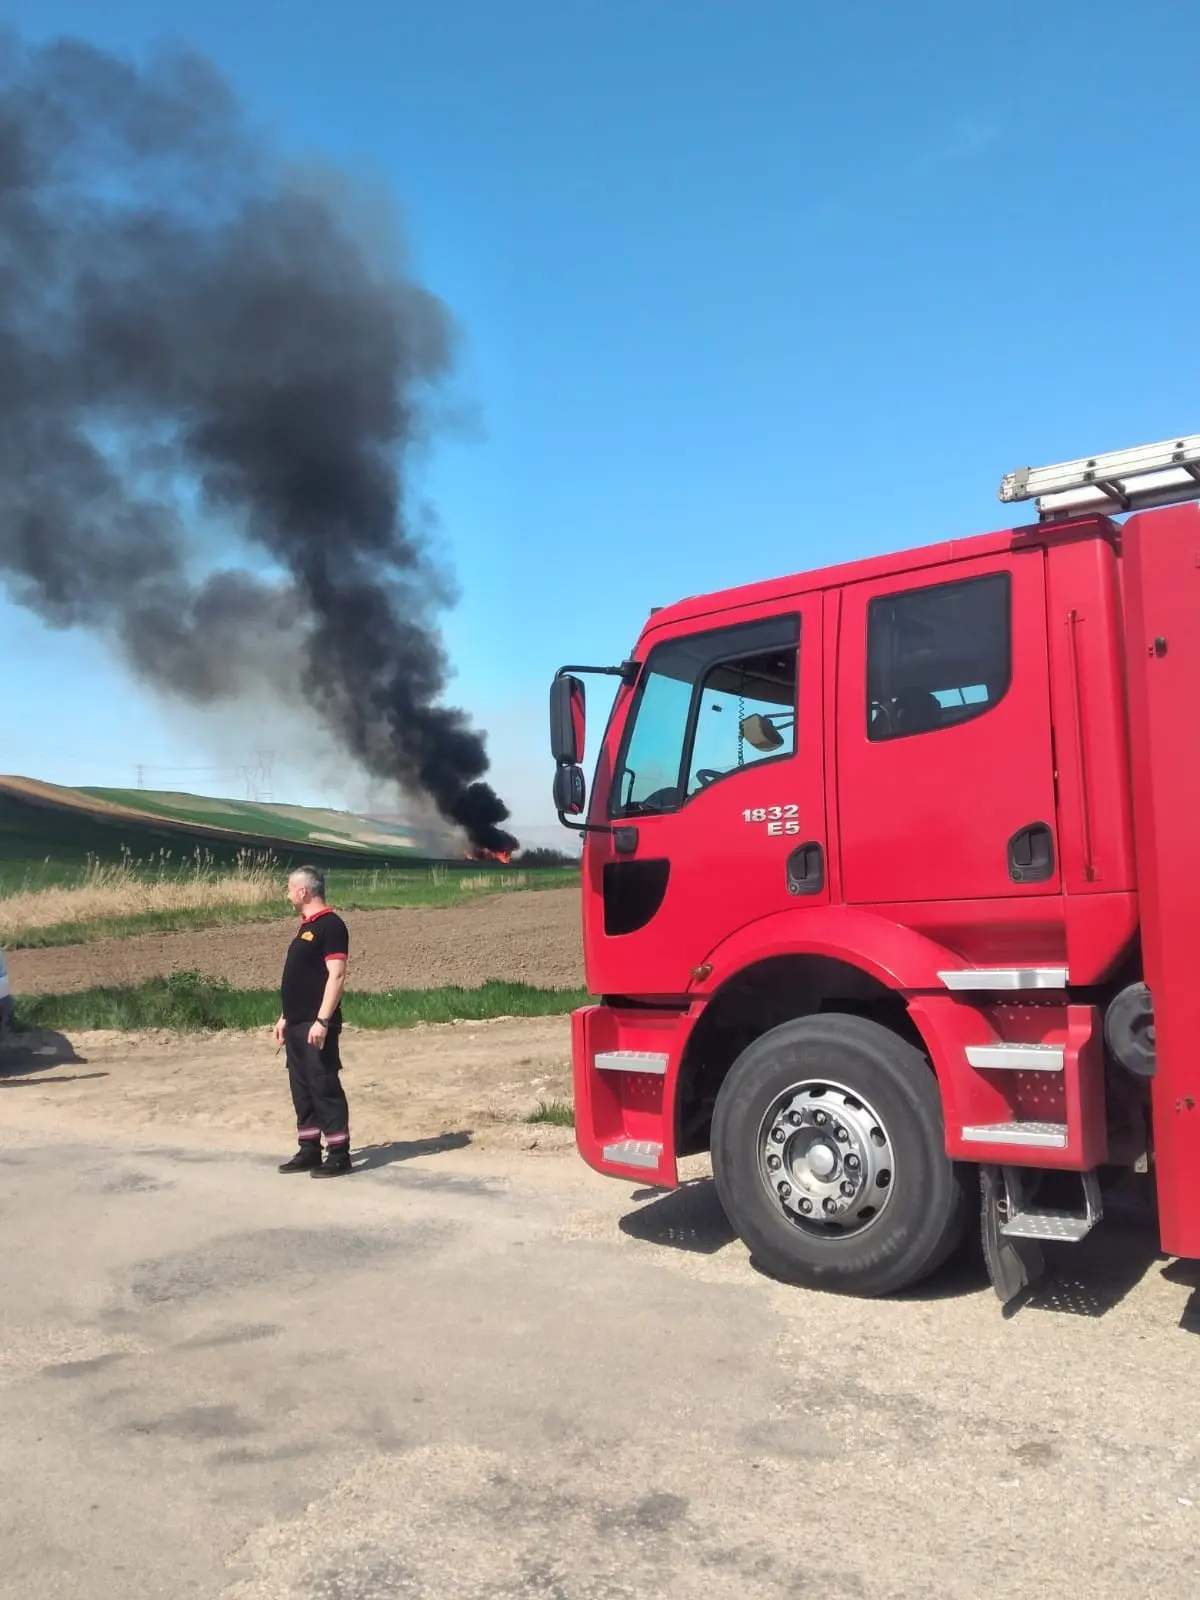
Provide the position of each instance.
(633, 1153)
(1061, 1225)
(1030, 1076)
(994, 980)
(1065, 1226)
(1016, 1057)
(632, 1061)
(1039, 1135)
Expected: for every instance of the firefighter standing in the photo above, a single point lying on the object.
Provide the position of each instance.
(309, 1026)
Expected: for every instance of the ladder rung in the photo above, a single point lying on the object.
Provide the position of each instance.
(1016, 1057)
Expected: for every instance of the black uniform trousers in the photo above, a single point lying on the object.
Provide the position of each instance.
(317, 1093)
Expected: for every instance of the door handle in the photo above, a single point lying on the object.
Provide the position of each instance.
(806, 869)
(1031, 854)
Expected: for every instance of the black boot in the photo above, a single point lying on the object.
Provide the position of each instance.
(336, 1163)
(306, 1159)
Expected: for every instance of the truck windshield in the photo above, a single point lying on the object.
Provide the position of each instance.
(707, 706)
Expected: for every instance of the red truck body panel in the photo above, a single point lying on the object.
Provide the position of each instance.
(905, 858)
(1162, 587)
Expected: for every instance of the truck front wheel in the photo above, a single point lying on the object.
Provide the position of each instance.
(829, 1157)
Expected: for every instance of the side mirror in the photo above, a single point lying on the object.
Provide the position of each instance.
(568, 721)
(570, 790)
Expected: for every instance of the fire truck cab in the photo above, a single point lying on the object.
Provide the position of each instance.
(888, 888)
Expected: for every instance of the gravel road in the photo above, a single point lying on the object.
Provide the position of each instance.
(476, 1373)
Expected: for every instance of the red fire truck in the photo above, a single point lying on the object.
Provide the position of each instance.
(890, 887)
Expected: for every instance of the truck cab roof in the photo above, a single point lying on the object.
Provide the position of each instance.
(894, 563)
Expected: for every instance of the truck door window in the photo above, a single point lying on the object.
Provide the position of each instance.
(648, 777)
(747, 714)
(937, 656)
(705, 706)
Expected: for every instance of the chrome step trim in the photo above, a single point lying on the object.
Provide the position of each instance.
(632, 1061)
(994, 979)
(1041, 1135)
(1016, 1057)
(633, 1153)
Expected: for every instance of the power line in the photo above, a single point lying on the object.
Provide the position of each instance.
(257, 775)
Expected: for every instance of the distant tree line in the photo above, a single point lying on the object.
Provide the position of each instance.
(542, 857)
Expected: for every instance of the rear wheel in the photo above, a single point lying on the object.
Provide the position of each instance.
(829, 1157)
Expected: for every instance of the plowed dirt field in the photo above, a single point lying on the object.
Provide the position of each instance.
(517, 938)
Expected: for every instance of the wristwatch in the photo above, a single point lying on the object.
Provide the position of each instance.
(322, 1022)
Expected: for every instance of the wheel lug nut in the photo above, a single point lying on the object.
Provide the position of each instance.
(806, 1206)
(830, 1206)
(777, 1135)
(794, 1118)
(785, 1190)
(841, 1136)
(820, 1118)
(852, 1163)
(847, 1189)
(774, 1163)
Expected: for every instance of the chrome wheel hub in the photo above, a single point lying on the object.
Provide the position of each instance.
(826, 1159)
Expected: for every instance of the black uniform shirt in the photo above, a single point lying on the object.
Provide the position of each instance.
(319, 939)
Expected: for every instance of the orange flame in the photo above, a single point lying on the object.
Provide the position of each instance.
(503, 856)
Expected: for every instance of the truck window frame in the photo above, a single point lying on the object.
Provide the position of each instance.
(787, 636)
(1002, 578)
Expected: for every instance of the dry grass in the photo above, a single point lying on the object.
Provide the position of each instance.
(129, 888)
(488, 883)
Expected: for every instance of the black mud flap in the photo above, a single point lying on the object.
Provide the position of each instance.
(1014, 1265)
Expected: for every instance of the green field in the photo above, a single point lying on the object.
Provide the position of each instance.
(197, 862)
(48, 834)
(188, 1003)
(377, 890)
(48, 837)
(289, 825)
(68, 839)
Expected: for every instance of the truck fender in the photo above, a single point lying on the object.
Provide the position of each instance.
(894, 955)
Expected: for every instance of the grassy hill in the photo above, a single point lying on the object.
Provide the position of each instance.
(308, 825)
(50, 831)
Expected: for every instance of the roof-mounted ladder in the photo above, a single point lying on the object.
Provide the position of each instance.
(1163, 474)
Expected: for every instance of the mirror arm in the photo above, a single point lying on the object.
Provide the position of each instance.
(624, 837)
(627, 671)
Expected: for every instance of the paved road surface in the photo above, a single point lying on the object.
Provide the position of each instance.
(443, 1379)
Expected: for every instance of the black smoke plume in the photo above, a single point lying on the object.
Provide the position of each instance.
(212, 378)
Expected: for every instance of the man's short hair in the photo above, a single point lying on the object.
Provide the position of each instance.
(312, 878)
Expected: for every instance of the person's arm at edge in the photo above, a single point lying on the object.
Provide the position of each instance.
(335, 983)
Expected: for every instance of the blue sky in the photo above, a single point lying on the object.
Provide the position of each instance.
(743, 288)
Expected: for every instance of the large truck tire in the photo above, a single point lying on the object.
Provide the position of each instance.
(829, 1158)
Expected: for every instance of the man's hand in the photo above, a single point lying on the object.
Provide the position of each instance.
(277, 1032)
(316, 1034)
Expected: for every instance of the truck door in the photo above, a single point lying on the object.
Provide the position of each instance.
(718, 770)
(946, 789)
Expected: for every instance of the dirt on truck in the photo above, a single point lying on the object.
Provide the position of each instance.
(889, 879)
